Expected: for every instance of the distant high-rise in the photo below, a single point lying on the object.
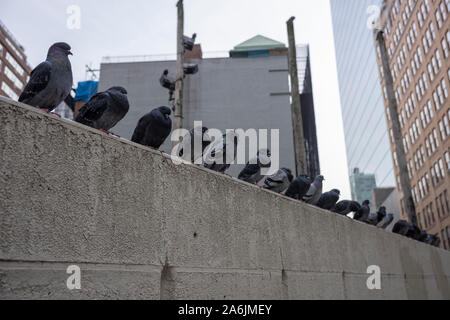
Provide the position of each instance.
(418, 40)
(366, 134)
(14, 69)
(362, 186)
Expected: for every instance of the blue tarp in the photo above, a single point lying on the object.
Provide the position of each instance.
(86, 90)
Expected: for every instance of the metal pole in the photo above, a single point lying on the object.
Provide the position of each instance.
(297, 119)
(178, 102)
(396, 129)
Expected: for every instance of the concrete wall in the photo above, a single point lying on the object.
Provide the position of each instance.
(140, 227)
(225, 94)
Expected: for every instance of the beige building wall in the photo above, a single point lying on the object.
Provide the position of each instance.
(418, 41)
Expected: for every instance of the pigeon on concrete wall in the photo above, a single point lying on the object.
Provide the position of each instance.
(252, 172)
(386, 221)
(51, 81)
(363, 213)
(315, 191)
(200, 134)
(154, 128)
(218, 150)
(299, 187)
(401, 227)
(280, 181)
(345, 207)
(105, 109)
(329, 199)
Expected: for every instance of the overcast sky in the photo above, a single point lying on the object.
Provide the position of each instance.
(146, 27)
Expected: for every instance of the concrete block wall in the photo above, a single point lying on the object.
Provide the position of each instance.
(140, 227)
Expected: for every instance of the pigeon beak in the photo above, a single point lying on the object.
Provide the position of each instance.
(70, 53)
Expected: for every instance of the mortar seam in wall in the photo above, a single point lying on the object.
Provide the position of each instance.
(16, 265)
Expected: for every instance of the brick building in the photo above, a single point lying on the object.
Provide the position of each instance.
(418, 41)
(14, 69)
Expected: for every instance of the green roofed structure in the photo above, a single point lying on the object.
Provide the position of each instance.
(258, 46)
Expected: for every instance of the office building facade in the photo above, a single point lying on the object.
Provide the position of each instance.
(418, 41)
(247, 90)
(365, 126)
(14, 69)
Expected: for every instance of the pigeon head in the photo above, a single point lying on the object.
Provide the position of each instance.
(336, 191)
(382, 210)
(165, 111)
(289, 174)
(166, 72)
(119, 89)
(320, 179)
(355, 206)
(366, 203)
(60, 48)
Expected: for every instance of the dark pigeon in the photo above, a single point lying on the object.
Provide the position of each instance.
(280, 181)
(363, 213)
(328, 200)
(189, 42)
(167, 82)
(386, 221)
(252, 172)
(154, 128)
(299, 187)
(200, 133)
(218, 150)
(345, 207)
(190, 69)
(51, 81)
(315, 191)
(105, 109)
(401, 227)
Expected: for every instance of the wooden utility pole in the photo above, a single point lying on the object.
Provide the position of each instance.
(297, 119)
(405, 182)
(178, 102)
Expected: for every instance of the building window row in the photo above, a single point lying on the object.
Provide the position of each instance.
(10, 92)
(419, 158)
(444, 127)
(426, 115)
(441, 14)
(438, 173)
(427, 219)
(432, 143)
(17, 82)
(442, 205)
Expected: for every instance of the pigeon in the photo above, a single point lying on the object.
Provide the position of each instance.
(328, 200)
(401, 227)
(51, 81)
(105, 109)
(315, 191)
(345, 207)
(436, 242)
(299, 187)
(280, 181)
(218, 150)
(252, 172)
(154, 128)
(189, 42)
(194, 155)
(168, 83)
(413, 232)
(386, 221)
(375, 217)
(363, 213)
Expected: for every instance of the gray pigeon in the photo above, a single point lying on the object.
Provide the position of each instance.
(328, 200)
(345, 207)
(280, 181)
(218, 150)
(51, 81)
(154, 128)
(167, 82)
(387, 220)
(189, 42)
(299, 187)
(363, 213)
(252, 172)
(105, 109)
(200, 134)
(401, 227)
(315, 191)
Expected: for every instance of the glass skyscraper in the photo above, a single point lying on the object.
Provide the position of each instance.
(365, 126)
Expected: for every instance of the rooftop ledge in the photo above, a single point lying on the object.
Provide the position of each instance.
(140, 227)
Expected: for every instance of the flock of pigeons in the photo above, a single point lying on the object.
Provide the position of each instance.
(51, 82)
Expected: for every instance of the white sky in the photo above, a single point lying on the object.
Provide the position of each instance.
(145, 27)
